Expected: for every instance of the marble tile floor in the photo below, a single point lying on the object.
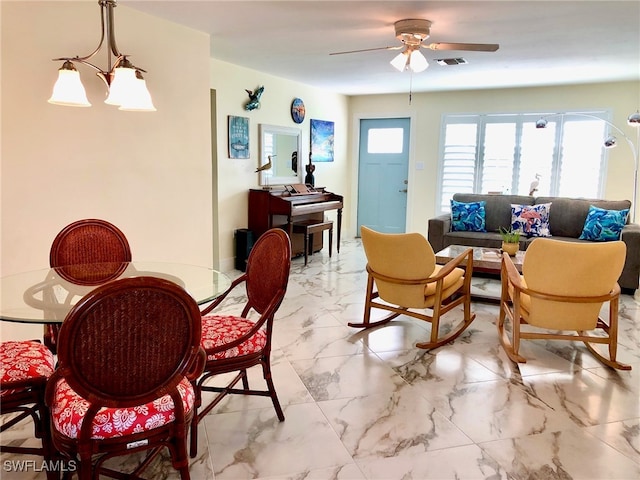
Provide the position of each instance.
(369, 405)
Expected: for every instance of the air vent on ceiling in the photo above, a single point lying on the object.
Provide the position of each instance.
(451, 61)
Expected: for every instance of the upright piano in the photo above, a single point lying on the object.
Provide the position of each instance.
(280, 208)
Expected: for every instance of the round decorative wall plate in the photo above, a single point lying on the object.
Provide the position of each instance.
(297, 110)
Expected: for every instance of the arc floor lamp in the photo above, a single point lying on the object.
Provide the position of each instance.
(611, 141)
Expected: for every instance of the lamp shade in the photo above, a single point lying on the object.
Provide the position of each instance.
(634, 119)
(541, 123)
(140, 99)
(610, 142)
(417, 62)
(123, 87)
(400, 61)
(68, 89)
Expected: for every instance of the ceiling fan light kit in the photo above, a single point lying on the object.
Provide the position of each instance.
(412, 32)
(410, 60)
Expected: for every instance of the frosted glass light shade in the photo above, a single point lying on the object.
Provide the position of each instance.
(400, 61)
(634, 119)
(413, 60)
(140, 100)
(123, 86)
(417, 62)
(68, 89)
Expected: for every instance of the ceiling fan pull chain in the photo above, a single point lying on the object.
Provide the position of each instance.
(410, 85)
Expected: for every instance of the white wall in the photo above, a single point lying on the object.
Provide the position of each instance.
(427, 110)
(149, 173)
(237, 176)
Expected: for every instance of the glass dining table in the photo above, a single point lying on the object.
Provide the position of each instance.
(47, 295)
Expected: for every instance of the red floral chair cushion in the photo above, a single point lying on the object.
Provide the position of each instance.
(69, 409)
(220, 329)
(22, 360)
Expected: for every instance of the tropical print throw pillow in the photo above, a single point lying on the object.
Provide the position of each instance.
(604, 225)
(531, 220)
(468, 217)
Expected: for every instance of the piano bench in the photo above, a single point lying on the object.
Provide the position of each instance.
(310, 227)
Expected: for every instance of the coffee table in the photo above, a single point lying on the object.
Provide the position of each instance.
(485, 260)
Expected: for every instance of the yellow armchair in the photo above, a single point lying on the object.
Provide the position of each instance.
(562, 289)
(402, 272)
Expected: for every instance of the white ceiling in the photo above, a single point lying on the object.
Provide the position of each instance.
(541, 42)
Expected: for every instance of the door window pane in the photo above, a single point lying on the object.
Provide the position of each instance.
(385, 140)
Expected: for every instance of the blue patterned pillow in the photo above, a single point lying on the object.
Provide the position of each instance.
(531, 220)
(603, 225)
(468, 217)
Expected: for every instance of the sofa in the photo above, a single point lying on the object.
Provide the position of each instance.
(566, 221)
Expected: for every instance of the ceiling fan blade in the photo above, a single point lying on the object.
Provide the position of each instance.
(369, 50)
(475, 47)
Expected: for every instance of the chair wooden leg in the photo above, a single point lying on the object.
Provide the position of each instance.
(509, 348)
(179, 457)
(266, 370)
(439, 309)
(85, 468)
(50, 336)
(370, 295)
(184, 473)
(451, 336)
(612, 332)
(306, 247)
(49, 451)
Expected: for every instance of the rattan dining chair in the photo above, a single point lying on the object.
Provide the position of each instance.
(25, 367)
(82, 243)
(127, 354)
(235, 343)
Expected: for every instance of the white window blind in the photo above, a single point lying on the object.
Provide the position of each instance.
(505, 153)
(459, 165)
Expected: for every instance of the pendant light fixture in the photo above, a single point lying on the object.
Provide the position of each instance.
(127, 88)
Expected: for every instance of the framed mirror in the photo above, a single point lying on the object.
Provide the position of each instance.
(283, 145)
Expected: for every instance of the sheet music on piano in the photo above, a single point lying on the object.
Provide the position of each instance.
(300, 189)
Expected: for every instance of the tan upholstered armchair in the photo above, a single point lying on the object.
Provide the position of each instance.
(406, 277)
(562, 289)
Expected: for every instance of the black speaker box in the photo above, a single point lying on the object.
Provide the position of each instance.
(244, 244)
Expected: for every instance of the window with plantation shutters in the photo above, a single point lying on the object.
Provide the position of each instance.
(505, 153)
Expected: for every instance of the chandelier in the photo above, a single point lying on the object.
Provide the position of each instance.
(127, 88)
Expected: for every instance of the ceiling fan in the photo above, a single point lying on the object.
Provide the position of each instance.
(412, 32)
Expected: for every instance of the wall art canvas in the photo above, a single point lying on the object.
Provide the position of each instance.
(322, 133)
(238, 137)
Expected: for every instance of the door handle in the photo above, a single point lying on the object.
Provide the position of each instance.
(403, 191)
